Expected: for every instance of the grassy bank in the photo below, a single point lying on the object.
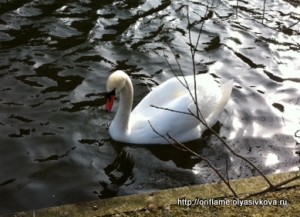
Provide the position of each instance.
(199, 200)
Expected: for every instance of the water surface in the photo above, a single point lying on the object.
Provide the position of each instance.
(55, 57)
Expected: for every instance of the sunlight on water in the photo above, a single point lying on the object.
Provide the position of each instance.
(271, 159)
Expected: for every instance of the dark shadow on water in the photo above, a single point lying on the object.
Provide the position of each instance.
(121, 170)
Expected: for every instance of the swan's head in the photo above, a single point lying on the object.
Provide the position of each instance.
(115, 83)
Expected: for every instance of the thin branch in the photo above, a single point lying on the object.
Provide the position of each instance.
(221, 139)
(198, 118)
(206, 17)
(179, 67)
(180, 112)
(167, 61)
(227, 169)
(176, 59)
(236, 154)
(236, 10)
(162, 136)
(171, 110)
(194, 97)
(293, 24)
(183, 147)
(155, 131)
(264, 10)
(193, 53)
(274, 187)
(240, 156)
(198, 114)
(206, 161)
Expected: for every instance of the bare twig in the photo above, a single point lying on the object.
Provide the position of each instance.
(167, 61)
(294, 24)
(227, 182)
(222, 140)
(169, 139)
(227, 169)
(199, 115)
(193, 53)
(241, 157)
(264, 10)
(171, 110)
(236, 10)
(193, 50)
(274, 187)
(185, 84)
(162, 136)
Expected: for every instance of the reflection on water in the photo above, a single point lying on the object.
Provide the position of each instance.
(56, 56)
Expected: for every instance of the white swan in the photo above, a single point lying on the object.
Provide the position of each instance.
(133, 126)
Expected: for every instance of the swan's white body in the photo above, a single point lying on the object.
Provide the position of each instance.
(134, 127)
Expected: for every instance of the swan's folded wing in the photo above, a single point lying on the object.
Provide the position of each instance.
(161, 95)
(226, 90)
(171, 121)
(172, 100)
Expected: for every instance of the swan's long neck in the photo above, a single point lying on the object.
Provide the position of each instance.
(120, 122)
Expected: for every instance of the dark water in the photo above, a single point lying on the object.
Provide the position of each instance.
(55, 57)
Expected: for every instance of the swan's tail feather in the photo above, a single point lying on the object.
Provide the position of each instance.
(226, 90)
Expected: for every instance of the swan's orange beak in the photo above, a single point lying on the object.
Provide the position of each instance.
(109, 103)
(110, 99)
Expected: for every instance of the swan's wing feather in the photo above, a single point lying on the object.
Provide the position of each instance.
(174, 88)
(161, 95)
(165, 121)
(226, 90)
